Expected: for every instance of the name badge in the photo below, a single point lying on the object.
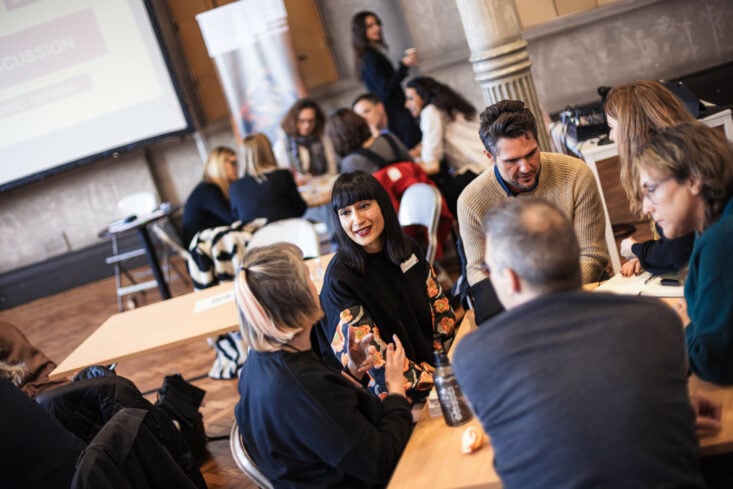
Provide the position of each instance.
(409, 263)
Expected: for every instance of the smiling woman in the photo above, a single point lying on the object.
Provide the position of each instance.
(379, 282)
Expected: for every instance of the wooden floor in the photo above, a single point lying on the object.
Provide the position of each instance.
(59, 323)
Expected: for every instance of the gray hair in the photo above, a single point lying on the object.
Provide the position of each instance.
(536, 240)
(274, 297)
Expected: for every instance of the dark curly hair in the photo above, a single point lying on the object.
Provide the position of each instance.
(290, 121)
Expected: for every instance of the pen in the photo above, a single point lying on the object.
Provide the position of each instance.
(650, 277)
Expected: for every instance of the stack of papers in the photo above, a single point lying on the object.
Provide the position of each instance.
(644, 284)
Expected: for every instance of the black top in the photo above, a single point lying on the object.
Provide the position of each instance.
(36, 450)
(405, 300)
(380, 77)
(206, 207)
(275, 198)
(664, 254)
(305, 425)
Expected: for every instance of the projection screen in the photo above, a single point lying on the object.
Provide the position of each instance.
(80, 80)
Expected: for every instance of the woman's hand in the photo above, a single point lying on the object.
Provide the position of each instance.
(301, 179)
(410, 59)
(707, 415)
(361, 355)
(394, 367)
(631, 267)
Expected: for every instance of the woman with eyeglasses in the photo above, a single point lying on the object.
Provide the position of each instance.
(380, 283)
(303, 423)
(686, 184)
(301, 144)
(633, 111)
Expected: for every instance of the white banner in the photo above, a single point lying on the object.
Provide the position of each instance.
(251, 48)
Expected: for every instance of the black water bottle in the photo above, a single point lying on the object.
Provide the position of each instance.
(452, 401)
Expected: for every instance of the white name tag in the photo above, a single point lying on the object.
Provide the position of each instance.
(409, 263)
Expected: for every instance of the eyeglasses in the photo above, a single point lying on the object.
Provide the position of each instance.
(648, 189)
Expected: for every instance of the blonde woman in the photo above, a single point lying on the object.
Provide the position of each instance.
(265, 190)
(304, 423)
(208, 205)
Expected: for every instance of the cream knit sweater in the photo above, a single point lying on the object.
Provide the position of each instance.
(565, 181)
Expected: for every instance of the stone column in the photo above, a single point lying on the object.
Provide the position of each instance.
(499, 56)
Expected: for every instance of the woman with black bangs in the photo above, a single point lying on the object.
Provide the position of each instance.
(380, 283)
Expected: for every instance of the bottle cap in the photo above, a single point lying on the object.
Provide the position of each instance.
(441, 358)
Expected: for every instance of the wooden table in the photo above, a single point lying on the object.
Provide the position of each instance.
(317, 192)
(433, 458)
(165, 324)
(433, 455)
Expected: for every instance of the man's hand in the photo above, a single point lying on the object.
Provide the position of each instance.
(707, 415)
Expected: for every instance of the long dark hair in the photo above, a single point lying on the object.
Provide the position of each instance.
(355, 187)
(443, 97)
(359, 41)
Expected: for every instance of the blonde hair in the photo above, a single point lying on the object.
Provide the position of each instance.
(258, 155)
(215, 170)
(274, 297)
(14, 373)
(639, 108)
(693, 150)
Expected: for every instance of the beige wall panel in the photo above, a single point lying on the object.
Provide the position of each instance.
(533, 12)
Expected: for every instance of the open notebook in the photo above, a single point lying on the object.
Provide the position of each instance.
(644, 284)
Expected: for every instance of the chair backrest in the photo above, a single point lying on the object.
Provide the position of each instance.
(420, 204)
(244, 461)
(138, 204)
(298, 231)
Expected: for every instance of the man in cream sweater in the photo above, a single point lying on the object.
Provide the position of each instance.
(508, 131)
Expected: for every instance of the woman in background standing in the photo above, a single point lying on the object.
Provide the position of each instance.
(208, 205)
(301, 144)
(375, 69)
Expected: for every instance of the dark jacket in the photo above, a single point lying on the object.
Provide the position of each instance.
(85, 406)
(127, 454)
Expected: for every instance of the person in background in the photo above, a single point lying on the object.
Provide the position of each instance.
(686, 182)
(265, 190)
(449, 129)
(633, 111)
(371, 109)
(374, 68)
(575, 388)
(357, 146)
(303, 423)
(208, 205)
(508, 131)
(301, 145)
(380, 283)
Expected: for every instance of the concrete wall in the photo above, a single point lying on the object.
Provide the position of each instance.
(658, 39)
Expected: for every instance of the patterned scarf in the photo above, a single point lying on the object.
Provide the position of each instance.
(318, 164)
